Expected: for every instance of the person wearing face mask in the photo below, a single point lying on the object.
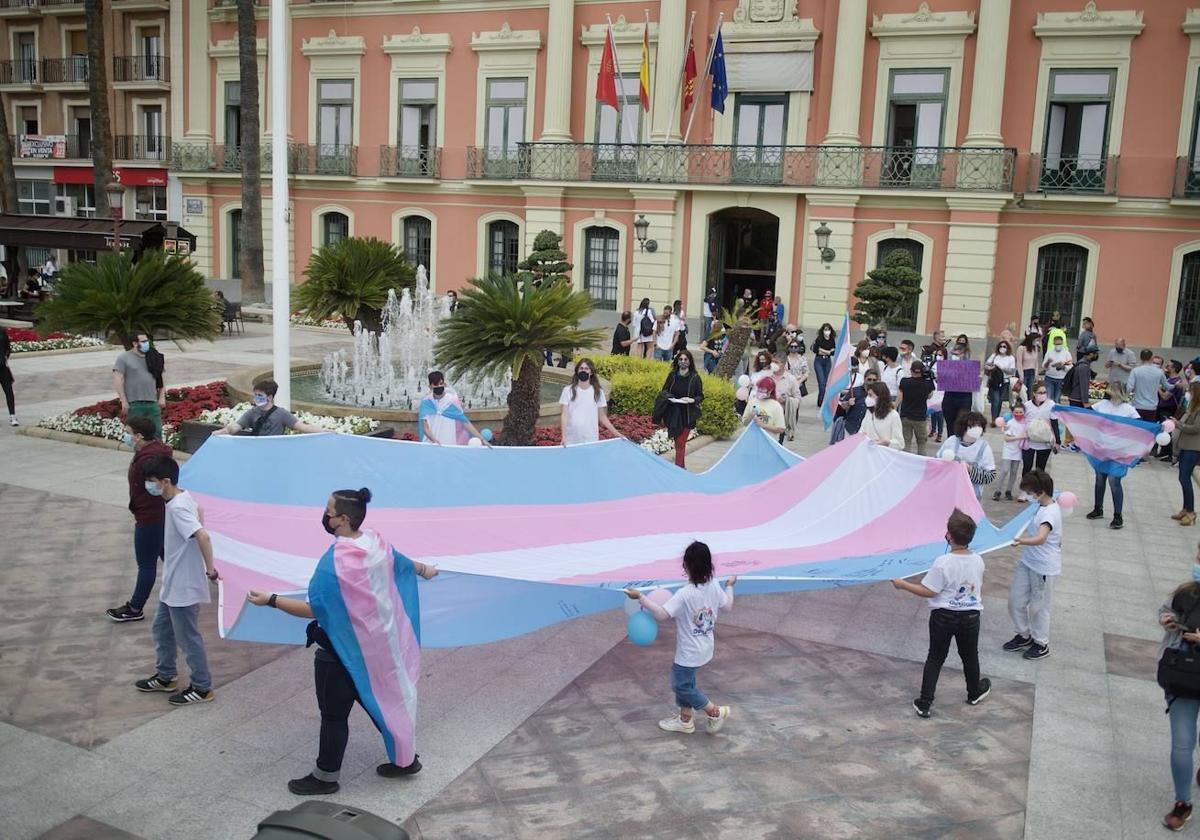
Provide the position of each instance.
(441, 419)
(907, 355)
(707, 312)
(760, 368)
(915, 391)
(1027, 362)
(584, 407)
(861, 362)
(148, 516)
(360, 658)
(797, 365)
(1179, 617)
(891, 372)
(852, 409)
(823, 349)
(1147, 385)
(1109, 473)
(714, 346)
(264, 418)
(188, 573)
(665, 330)
(968, 447)
(1015, 440)
(1056, 364)
(678, 404)
(882, 422)
(1001, 367)
(794, 335)
(962, 347)
(138, 380)
(765, 410)
(644, 318)
(1040, 433)
(787, 392)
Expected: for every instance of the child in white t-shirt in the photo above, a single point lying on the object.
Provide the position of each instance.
(694, 608)
(1038, 569)
(954, 587)
(1015, 438)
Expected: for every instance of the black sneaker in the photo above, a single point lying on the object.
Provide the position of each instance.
(155, 683)
(191, 695)
(1008, 495)
(1017, 642)
(985, 688)
(310, 785)
(125, 613)
(996, 496)
(1117, 524)
(392, 771)
(1179, 816)
(922, 707)
(1096, 514)
(1037, 651)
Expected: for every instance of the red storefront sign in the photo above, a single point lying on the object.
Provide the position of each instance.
(128, 177)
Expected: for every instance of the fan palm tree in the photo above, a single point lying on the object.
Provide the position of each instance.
(250, 252)
(351, 279)
(161, 295)
(740, 322)
(502, 324)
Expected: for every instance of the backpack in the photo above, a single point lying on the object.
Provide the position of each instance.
(1069, 381)
(647, 325)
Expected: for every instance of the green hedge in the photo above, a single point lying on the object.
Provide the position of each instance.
(636, 383)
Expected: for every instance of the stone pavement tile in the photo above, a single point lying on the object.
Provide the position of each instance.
(85, 828)
(1129, 657)
(183, 814)
(26, 757)
(466, 823)
(1072, 793)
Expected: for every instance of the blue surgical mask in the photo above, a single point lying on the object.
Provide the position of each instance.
(153, 489)
(260, 400)
(127, 439)
(144, 346)
(1196, 573)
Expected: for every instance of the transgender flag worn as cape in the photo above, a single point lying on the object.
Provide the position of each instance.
(452, 410)
(1112, 444)
(364, 596)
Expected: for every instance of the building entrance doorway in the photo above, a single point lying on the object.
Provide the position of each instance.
(743, 246)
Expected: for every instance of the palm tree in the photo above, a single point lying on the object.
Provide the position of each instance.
(8, 186)
(162, 295)
(503, 324)
(740, 322)
(102, 139)
(351, 279)
(250, 260)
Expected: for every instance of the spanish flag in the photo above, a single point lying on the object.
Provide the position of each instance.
(644, 88)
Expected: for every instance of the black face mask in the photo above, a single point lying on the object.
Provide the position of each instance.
(329, 529)
(438, 390)
(584, 375)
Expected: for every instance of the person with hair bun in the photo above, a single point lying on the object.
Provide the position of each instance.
(363, 596)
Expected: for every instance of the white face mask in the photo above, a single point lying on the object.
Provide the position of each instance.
(973, 434)
(761, 395)
(1003, 351)
(865, 354)
(776, 367)
(870, 400)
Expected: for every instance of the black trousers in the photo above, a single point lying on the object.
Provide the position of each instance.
(6, 383)
(1029, 456)
(955, 403)
(963, 627)
(336, 696)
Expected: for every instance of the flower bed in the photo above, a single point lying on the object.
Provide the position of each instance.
(301, 319)
(637, 427)
(353, 425)
(27, 341)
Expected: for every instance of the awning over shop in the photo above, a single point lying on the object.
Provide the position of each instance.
(70, 232)
(126, 176)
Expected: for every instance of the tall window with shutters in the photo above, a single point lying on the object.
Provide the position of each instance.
(601, 246)
(504, 247)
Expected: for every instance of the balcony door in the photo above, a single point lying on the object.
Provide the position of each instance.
(760, 126)
(81, 128)
(1058, 287)
(417, 130)
(1187, 313)
(504, 130)
(152, 131)
(26, 53)
(233, 126)
(150, 60)
(335, 125)
(78, 68)
(615, 156)
(916, 122)
(1077, 118)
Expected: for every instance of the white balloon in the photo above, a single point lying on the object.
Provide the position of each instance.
(1162, 438)
(948, 455)
(474, 442)
(743, 381)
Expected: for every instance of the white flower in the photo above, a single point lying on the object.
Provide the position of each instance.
(68, 343)
(355, 424)
(661, 441)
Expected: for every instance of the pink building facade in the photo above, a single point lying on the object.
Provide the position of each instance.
(1032, 156)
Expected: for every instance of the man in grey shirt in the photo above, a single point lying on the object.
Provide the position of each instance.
(1147, 383)
(137, 378)
(1120, 362)
(266, 419)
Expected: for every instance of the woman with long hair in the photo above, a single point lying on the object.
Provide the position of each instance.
(678, 403)
(1027, 361)
(882, 423)
(1108, 474)
(823, 348)
(760, 367)
(969, 448)
(1039, 432)
(1000, 368)
(962, 347)
(861, 362)
(714, 346)
(1179, 618)
(1189, 454)
(644, 332)
(584, 407)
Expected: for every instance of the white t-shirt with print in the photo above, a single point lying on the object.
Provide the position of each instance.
(184, 581)
(583, 413)
(1013, 448)
(666, 338)
(958, 581)
(1045, 559)
(694, 609)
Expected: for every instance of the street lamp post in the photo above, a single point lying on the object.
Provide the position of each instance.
(116, 197)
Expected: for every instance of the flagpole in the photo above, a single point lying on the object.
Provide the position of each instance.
(674, 121)
(649, 75)
(712, 48)
(620, 81)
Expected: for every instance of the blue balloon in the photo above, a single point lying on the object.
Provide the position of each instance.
(486, 434)
(1008, 417)
(643, 629)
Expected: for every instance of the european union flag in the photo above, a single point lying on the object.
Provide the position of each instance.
(720, 83)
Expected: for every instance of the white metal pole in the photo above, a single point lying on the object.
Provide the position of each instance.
(712, 48)
(281, 349)
(620, 82)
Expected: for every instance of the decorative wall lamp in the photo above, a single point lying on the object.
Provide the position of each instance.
(640, 228)
(822, 233)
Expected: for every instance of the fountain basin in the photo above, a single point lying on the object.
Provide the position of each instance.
(306, 396)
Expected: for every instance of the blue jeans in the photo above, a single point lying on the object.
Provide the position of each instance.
(1188, 458)
(937, 423)
(1054, 389)
(180, 625)
(662, 355)
(683, 683)
(822, 366)
(996, 397)
(1118, 493)
(147, 548)
(710, 362)
(706, 328)
(1029, 376)
(1183, 713)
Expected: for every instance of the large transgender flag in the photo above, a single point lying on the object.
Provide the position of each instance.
(527, 537)
(839, 373)
(1112, 444)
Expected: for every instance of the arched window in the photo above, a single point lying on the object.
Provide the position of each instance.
(334, 228)
(1058, 286)
(504, 247)
(601, 260)
(1187, 313)
(235, 243)
(907, 319)
(418, 242)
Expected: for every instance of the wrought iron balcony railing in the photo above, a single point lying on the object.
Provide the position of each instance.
(73, 70)
(858, 167)
(1073, 174)
(303, 159)
(20, 71)
(1187, 178)
(141, 68)
(410, 162)
(141, 147)
(19, 4)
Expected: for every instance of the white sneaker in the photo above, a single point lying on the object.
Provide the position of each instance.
(12, 420)
(1023, 498)
(677, 724)
(713, 724)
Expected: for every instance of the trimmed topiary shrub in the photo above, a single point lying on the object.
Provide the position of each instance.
(634, 385)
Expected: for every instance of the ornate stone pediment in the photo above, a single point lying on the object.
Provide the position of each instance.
(765, 11)
(417, 42)
(334, 44)
(1090, 21)
(507, 38)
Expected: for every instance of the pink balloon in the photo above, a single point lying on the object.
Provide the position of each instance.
(659, 596)
(1067, 500)
(1168, 426)
(1001, 423)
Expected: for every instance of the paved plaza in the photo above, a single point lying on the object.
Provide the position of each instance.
(553, 734)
